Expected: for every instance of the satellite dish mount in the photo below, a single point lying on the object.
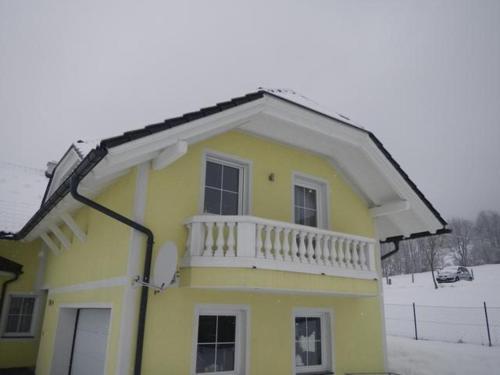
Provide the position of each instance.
(165, 269)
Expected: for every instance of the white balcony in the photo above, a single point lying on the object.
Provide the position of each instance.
(252, 242)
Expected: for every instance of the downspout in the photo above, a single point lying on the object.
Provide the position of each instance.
(147, 264)
(4, 289)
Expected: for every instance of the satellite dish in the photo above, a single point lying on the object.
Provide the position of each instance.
(165, 265)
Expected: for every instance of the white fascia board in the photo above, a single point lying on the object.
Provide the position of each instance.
(170, 154)
(215, 124)
(313, 121)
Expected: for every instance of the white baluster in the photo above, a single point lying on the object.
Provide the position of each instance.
(333, 252)
(355, 256)
(286, 244)
(258, 242)
(341, 253)
(347, 253)
(362, 255)
(317, 249)
(302, 247)
(295, 249)
(268, 245)
(219, 250)
(277, 242)
(230, 240)
(209, 240)
(310, 247)
(326, 250)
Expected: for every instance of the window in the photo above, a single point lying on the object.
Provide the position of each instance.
(306, 212)
(225, 187)
(219, 342)
(19, 318)
(312, 341)
(309, 202)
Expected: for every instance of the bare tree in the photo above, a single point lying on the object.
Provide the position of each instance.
(488, 233)
(460, 239)
(430, 247)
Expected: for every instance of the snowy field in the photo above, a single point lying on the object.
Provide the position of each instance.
(453, 313)
(410, 357)
(485, 287)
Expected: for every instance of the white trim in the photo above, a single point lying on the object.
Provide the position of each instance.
(390, 208)
(327, 343)
(242, 313)
(323, 190)
(246, 176)
(90, 285)
(169, 155)
(65, 242)
(51, 244)
(378, 265)
(271, 264)
(131, 294)
(286, 291)
(71, 224)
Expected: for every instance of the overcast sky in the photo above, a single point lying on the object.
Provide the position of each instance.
(424, 76)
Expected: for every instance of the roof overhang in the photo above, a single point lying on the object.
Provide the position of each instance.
(399, 209)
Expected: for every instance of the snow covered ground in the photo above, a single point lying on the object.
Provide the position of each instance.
(485, 287)
(452, 313)
(410, 357)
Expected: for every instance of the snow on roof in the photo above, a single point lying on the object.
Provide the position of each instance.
(84, 147)
(21, 193)
(294, 96)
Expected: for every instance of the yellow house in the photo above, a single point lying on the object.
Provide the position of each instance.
(239, 239)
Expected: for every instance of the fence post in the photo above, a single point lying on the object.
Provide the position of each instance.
(415, 322)
(487, 323)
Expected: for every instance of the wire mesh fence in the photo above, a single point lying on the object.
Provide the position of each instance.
(458, 324)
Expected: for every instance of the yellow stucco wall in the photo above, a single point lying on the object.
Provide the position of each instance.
(104, 254)
(174, 193)
(20, 352)
(169, 334)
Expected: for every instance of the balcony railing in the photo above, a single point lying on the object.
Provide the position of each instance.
(252, 242)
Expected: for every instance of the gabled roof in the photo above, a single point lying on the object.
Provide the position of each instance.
(21, 192)
(336, 134)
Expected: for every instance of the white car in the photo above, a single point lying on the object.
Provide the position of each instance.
(452, 274)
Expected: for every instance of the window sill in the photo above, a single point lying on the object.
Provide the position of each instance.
(316, 373)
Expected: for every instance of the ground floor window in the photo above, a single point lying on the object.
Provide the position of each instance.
(220, 340)
(19, 316)
(312, 344)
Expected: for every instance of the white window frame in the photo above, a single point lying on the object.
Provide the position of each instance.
(34, 317)
(241, 355)
(327, 353)
(244, 186)
(322, 188)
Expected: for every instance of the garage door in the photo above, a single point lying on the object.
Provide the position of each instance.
(91, 335)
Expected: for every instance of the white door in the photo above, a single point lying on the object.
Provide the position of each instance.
(91, 336)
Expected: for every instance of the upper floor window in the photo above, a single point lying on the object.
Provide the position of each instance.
(226, 186)
(310, 205)
(19, 317)
(312, 341)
